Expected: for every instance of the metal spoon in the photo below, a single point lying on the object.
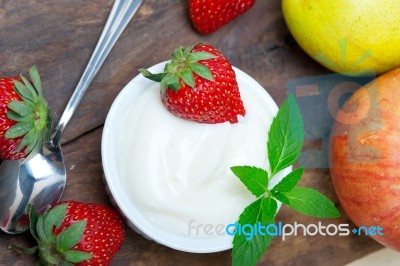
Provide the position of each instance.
(41, 180)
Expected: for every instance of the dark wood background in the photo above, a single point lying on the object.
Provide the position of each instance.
(59, 37)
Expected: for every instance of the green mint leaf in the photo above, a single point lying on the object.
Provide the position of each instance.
(255, 179)
(286, 136)
(247, 251)
(202, 71)
(289, 181)
(269, 209)
(198, 56)
(280, 196)
(69, 237)
(76, 256)
(311, 202)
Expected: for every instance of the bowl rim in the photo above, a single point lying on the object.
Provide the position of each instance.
(114, 185)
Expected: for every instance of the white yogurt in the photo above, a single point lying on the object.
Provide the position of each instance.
(177, 172)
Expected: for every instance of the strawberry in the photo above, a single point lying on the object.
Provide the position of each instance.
(25, 117)
(75, 233)
(209, 15)
(199, 84)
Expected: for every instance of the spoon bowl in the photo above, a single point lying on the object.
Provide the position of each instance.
(41, 180)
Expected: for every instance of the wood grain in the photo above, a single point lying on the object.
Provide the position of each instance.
(59, 36)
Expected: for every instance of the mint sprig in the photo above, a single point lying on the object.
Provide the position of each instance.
(285, 141)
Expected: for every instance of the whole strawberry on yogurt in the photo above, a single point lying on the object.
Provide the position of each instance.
(178, 138)
(199, 84)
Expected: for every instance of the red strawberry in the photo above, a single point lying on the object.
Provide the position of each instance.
(199, 84)
(24, 116)
(75, 233)
(209, 15)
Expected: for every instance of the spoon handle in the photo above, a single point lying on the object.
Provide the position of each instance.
(120, 15)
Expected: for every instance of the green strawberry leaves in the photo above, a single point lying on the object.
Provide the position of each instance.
(55, 249)
(33, 219)
(198, 56)
(201, 70)
(70, 236)
(154, 77)
(181, 68)
(20, 108)
(37, 83)
(32, 115)
(27, 251)
(18, 130)
(285, 141)
(76, 256)
(26, 90)
(54, 218)
(187, 77)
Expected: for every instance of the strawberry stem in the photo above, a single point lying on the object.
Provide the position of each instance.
(183, 65)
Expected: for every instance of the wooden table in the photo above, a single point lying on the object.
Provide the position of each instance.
(59, 37)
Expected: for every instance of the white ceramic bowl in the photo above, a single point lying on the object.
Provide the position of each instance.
(114, 182)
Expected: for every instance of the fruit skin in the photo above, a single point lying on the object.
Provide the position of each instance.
(104, 232)
(213, 97)
(208, 16)
(365, 145)
(99, 236)
(347, 36)
(25, 119)
(8, 146)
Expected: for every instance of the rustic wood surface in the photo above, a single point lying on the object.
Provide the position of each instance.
(59, 37)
